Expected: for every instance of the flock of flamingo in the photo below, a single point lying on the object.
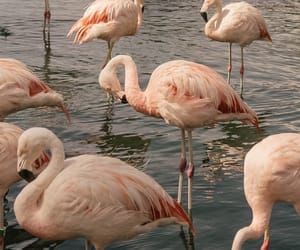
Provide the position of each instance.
(104, 199)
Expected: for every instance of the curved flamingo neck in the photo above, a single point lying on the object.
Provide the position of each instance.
(30, 198)
(215, 21)
(244, 234)
(134, 95)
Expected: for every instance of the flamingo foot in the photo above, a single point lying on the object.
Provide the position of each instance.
(266, 244)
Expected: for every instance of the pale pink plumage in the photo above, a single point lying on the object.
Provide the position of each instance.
(185, 94)
(100, 198)
(9, 135)
(235, 23)
(108, 20)
(271, 174)
(21, 89)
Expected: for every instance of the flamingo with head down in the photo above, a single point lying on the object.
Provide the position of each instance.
(235, 23)
(9, 135)
(109, 20)
(21, 89)
(185, 94)
(102, 199)
(271, 174)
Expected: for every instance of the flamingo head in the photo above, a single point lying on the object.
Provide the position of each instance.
(206, 5)
(109, 81)
(32, 160)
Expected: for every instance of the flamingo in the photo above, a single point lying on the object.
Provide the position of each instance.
(21, 89)
(235, 23)
(271, 174)
(109, 20)
(185, 94)
(9, 135)
(102, 199)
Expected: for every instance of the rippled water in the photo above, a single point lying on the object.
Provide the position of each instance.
(171, 30)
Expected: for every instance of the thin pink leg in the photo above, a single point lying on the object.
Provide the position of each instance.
(242, 69)
(229, 65)
(190, 172)
(266, 243)
(182, 166)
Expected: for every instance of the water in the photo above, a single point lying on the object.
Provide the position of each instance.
(171, 30)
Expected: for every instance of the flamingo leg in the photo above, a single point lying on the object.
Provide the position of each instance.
(182, 166)
(229, 64)
(242, 73)
(2, 228)
(46, 28)
(266, 243)
(190, 172)
(110, 46)
(297, 208)
(87, 245)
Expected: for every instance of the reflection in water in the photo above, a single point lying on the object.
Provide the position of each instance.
(4, 32)
(127, 147)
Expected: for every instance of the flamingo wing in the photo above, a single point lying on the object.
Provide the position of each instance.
(106, 184)
(192, 95)
(15, 74)
(101, 20)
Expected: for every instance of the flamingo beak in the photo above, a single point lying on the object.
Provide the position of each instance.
(65, 110)
(24, 173)
(143, 9)
(124, 99)
(204, 16)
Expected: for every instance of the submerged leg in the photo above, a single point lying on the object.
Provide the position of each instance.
(297, 207)
(229, 64)
(190, 172)
(242, 73)
(87, 245)
(46, 28)
(182, 166)
(266, 243)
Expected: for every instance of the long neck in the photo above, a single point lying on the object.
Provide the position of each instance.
(134, 95)
(27, 203)
(243, 235)
(214, 22)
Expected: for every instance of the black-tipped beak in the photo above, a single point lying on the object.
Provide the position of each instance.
(204, 16)
(143, 9)
(27, 175)
(123, 99)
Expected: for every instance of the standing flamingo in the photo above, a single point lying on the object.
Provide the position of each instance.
(235, 23)
(271, 174)
(185, 94)
(99, 198)
(20, 89)
(109, 20)
(9, 135)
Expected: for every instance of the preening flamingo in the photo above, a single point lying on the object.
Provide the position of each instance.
(271, 174)
(102, 199)
(21, 89)
(235, 23)
(109, 20)
(185, 94)
(9, 135)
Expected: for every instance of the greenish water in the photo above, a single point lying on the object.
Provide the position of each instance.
(171, 30)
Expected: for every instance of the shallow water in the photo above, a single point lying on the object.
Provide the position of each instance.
(171, 30)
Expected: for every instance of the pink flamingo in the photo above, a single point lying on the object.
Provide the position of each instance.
(9, 135)
(271, 174)
(185, 94)
(235, 23)
(21, 89)
(99, 198)
(109, 20)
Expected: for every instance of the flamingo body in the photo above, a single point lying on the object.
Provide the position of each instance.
(21, 89)
(237, 23)
(100, 198)
(271, 174)
(9, 135)
(185, 94)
